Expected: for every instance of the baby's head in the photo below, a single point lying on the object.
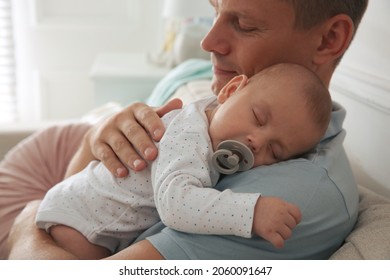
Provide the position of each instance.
(279, 113)
(289, 81)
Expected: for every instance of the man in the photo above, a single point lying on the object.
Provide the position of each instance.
(247, 36)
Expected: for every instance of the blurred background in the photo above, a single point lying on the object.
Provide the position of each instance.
(55, 52)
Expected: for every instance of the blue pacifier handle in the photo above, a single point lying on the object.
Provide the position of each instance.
(232, 156)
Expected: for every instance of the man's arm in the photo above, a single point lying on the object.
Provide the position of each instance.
(124, 140)
(27, 241)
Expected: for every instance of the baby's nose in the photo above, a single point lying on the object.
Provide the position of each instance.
(255, 143)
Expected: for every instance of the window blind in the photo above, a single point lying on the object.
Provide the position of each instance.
(7, 64)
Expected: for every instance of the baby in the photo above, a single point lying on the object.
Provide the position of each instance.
(278, 114)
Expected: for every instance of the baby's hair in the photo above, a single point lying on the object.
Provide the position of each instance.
(315, 93)
(318, 101)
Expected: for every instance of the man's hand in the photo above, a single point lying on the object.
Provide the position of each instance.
(126, 139)
(275, 219)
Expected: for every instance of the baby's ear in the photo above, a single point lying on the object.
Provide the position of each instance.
(234, 85)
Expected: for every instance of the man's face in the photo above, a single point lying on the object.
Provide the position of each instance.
(248, 36)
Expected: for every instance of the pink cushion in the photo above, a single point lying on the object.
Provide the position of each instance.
(32, 167)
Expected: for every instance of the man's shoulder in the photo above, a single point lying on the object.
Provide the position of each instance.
(276, 178)
(325, 173)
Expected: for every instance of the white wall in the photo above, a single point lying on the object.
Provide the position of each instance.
(57, 42)
(362, 86)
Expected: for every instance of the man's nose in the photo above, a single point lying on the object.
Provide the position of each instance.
(215, 40)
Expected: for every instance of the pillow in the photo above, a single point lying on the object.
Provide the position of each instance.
(193, 91)
(370, 239)
(31, 168)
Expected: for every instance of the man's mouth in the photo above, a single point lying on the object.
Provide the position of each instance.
(223, 72)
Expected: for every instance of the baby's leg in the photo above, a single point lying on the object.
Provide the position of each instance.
(75, 243)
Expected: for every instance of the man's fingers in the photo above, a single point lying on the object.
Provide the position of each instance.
(149, 120)
(171, 105)
(127, 138)
(105, 154)
(122, 141)
(141, 147)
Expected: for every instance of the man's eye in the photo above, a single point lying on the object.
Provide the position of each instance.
(248, 29)
(242, 27)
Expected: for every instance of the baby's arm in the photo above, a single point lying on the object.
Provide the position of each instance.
(186, 203)
(182, 189)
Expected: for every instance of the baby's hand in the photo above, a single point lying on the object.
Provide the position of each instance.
(274, 219)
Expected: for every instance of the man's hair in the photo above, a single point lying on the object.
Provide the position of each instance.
(310, 13)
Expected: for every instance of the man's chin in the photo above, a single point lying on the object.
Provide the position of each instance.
(217, 85)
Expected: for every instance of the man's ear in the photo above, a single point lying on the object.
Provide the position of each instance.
(234, 85)
(337, 33)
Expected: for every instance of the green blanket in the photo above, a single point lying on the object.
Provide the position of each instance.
(193, 69)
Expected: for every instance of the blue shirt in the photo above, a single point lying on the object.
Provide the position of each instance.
(320, 183)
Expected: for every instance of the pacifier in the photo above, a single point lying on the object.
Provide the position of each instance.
(232, 156)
